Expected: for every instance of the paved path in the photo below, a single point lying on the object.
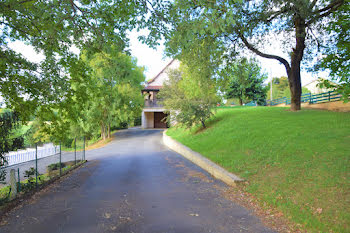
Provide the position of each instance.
(134, 184)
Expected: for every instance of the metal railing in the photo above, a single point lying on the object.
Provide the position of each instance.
(29, 169)
(310, 98)
(153, 103)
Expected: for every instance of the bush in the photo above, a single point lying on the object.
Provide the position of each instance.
(55, 166)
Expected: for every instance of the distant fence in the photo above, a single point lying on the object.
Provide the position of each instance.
(16, 157)
(252, 103)
(310, 98)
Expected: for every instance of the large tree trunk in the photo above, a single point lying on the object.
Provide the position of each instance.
(203, 124)
(109, 130)
(240, 101)
(294, 72)
(103, 132)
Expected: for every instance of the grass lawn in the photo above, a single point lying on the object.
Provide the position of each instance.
(298, 162)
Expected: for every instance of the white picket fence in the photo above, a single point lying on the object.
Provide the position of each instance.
(20, 156)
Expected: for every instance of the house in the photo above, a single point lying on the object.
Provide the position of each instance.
(315, 89)
(153, 112)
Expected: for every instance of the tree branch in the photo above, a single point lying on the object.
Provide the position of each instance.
(325, 11)
(275, 14)
(261, 54)
(313, 4)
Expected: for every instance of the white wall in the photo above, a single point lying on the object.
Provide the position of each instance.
(147, 120)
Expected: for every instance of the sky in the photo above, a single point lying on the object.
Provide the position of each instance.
(154, 60)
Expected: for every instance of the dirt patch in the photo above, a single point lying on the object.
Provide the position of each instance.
(96, 145)
(100, 144)
(335, 106)
(195, 174)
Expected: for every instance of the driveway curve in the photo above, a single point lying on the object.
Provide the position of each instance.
(133, 184)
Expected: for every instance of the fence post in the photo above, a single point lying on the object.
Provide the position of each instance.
(75, 151)
(60, 160)
(19, 181)
(329, 95)
(13, 193)
(310, 98)
(36, 165)
(84, 148)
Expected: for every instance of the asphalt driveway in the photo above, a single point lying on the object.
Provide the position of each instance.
(134, 184)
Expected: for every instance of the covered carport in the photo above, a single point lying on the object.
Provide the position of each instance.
(154, 118)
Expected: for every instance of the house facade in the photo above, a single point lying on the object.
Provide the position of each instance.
(153, 113)
(315, 89)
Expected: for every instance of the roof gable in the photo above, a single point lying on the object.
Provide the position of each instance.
(158, 81)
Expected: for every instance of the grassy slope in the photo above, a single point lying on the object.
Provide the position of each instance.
(298, 162)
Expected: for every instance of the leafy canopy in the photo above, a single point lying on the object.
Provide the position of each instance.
(238, 26)
(189, 96)
(245, 81)
(337, 53)
(104, 91)
(53, 28)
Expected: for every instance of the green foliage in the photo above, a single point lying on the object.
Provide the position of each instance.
(30, 175)
(53, 28)
(286, 92)
(55, 166)
(113, 90)
(337, 51)
(9, 121)
(236, 26)
(280, 88)
(104, 92)
(245, 80)
(36, 133)
(279, 85)
(189, 96)
(297, 162)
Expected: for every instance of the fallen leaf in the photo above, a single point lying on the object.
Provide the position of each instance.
(319, 210)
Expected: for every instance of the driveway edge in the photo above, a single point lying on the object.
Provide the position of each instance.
(198, 159)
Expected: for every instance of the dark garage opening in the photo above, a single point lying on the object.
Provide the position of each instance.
(159, 120)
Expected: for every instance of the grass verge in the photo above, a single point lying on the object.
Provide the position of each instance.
(296, 162)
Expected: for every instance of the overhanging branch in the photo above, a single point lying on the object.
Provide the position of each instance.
(261, 54)
(325, 11)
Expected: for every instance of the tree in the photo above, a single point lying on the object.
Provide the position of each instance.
(8, 122)
(251, 25)
(245, 81)
(278, 87)
(337, 51)
(114, 89)
(286, 92)
(189, 96)
(104, 91)
(52, 28)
